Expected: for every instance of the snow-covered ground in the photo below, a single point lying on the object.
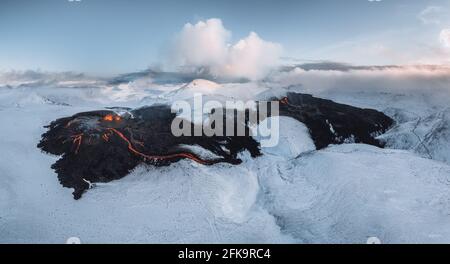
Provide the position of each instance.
(292, 194)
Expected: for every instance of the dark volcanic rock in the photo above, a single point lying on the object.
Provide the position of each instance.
(333, 123)
(102, 146)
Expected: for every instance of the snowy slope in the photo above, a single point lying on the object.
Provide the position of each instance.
(428, 136)
(341, 194)
(292, 194)
(347, 193)
(294, 138)
(416, 97)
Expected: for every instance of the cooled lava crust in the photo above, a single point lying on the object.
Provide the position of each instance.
(333, 123)
(102, 146)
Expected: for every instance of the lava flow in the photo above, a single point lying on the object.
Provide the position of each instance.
(102, 146)
(106, 136)
(158, 158)
(284, 101)
(77, 140)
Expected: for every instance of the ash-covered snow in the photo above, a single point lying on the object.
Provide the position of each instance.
(292, 194)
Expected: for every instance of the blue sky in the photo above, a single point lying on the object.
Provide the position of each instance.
(113, 36)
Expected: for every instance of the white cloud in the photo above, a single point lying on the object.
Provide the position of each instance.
(445, 38)
(252, 57)
(31, 78)
(432, 15)
(205, 45)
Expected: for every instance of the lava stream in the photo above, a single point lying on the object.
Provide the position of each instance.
(77, 139)
(152, 157)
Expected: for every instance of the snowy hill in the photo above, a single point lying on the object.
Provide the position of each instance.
(291, 194)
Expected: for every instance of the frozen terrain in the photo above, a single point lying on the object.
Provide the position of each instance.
(292, 194)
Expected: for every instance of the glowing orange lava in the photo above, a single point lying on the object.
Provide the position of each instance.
(105, 137)
(108, 118)
(151, 157)
(284, 101)
(111, 118)
(77, 139)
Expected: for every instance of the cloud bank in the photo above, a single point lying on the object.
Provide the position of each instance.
(30, 78)
(429, 81)
(206, 46)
